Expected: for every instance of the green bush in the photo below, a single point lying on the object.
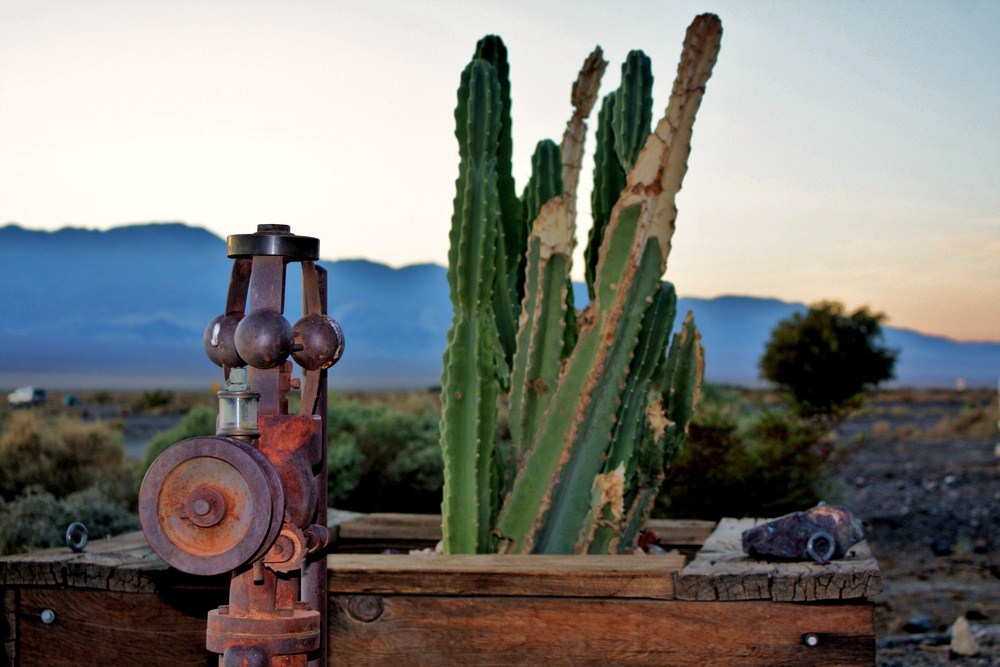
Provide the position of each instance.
(344, 463)
(60, 455)
(37, 519)
(382, 459)
(742, 460)
(199, 421)
(379, 458)
(827, 360)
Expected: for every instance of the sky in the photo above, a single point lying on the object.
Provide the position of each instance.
(844, 150)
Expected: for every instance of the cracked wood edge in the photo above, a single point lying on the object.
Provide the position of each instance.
(722, 572)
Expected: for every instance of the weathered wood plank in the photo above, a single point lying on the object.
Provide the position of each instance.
(461, 610)
(124, 563)
(9, 629)
(352, 529)
(458, 631)
(682, 532)
(393, 526)
(108, 628)
(557, 576)
(721, 571)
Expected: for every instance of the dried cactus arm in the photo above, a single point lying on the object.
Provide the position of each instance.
(584, 95)
(548, 290)
(659, 170)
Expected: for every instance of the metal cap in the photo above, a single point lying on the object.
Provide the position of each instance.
(273, 240)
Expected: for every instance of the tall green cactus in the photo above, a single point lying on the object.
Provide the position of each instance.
(597, 407)
(609, 180)
(512, 231)
(469, 378)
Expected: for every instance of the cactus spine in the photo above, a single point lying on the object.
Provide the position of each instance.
(596, 406)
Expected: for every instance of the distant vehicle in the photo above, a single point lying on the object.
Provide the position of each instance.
(25, 397)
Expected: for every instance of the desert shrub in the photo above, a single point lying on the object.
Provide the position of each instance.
(34, 520)
(379, 458)
(826, 360)
(344, 463)
(61, 455)
(383, 459)
(199, 421)
(102, 398)
(99, 512)
(744, 460)
(154, 400)
(37, 519)
(973, 422)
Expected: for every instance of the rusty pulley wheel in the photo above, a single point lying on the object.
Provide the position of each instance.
(208, 505)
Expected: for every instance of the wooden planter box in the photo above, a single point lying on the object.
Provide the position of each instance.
(118, 604)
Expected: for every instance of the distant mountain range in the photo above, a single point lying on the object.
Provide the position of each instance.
(127, 307)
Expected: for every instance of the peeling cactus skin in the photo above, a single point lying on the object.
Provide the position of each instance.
(823, 533)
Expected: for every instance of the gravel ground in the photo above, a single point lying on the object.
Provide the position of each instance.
(932, 509)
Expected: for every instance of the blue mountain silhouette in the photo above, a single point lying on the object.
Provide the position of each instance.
(127, 307)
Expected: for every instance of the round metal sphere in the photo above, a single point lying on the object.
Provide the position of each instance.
(322, 340)
(264, 339)
(208, 505)
(220, 341)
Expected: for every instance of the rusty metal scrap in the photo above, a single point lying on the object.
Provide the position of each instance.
(823, 533)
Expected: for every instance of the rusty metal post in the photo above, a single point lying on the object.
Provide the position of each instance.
(252, 499)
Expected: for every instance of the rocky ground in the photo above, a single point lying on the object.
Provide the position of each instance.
(923, 472)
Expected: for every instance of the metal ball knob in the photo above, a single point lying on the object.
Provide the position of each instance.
(264, 339)
(322, 342)
(220, 341)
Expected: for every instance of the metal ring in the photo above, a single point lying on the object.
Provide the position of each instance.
(77, 536)
(287, 245)
(827, 553)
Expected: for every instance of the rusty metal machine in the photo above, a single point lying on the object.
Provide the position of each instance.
(251, 499)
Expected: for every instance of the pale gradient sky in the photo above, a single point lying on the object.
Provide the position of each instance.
(844, 150)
